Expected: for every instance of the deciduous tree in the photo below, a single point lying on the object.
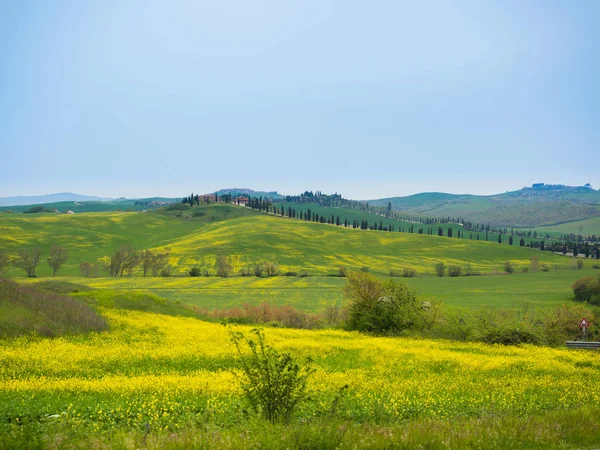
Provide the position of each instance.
(58, 256)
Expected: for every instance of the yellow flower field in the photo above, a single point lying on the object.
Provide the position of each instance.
(166, 371)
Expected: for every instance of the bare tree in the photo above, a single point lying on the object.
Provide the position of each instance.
(271, 268)
(223, 266)
(161, 261)
(132, 260)
(85, 268)
(28, 260)
(58, 256)
(148, 260)
(4, 261)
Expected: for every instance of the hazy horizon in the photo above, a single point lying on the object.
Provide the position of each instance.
(141, 99)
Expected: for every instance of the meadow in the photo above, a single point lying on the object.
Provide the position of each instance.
(153, 374)
(159, 381)
(586, 227)
(197, 238)
(313, 294)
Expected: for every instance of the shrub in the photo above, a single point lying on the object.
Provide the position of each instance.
(508, 267)
(395, 273)
(383, 308)
(586, 289)
(290, 274)
(177, 207)
(511, 336)
(273, 383)
(440, 269)
(454, 271)
(365, 269)
(546, 267)
(304, 274)
(195, 272)
(579, 263)
(34, 210)
(409, 272)
(342, 272)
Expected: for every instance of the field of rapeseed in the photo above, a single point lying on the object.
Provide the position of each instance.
(160, 375)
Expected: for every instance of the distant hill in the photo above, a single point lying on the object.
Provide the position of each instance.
(235, 192)
(538, 205)
(48, 198)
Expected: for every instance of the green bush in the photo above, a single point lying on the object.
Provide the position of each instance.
(384, 308)
(587, 289)
(440, 269)
(454, 271)
(342, 272)
(409, 272)
(273, 383)
(195, 272)
(511, 336)
(508, 267)
(395, 273)
(177, 207)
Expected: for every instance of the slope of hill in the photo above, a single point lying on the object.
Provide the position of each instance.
(528, 207)
(251, 237)
(48, 198)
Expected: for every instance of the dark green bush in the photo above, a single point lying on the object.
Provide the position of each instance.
(195, 272)
(454, 271)
(586, 289)
(511, 336)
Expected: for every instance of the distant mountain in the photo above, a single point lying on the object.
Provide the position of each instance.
(539, 204)
(48, 198)
(235, 192)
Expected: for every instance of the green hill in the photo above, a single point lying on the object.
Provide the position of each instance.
(198, 235)
(528, 207)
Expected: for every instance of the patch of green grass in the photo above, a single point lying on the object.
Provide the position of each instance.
(134, 301)
(586, 227)
(313, 294)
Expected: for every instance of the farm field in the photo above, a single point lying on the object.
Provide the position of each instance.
(539, 290)
(206, 232)
(161, 381)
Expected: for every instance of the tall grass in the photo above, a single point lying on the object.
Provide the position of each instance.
(31, 310)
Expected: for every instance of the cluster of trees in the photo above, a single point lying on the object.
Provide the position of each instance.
(29, 259)
(126, 259)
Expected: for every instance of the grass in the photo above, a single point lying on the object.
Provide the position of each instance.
(29, 310)
(313, 294)
(586, 227)
(159, 381)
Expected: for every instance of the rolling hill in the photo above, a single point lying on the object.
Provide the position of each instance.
(198, 236)
(48, 198)
(532, 206)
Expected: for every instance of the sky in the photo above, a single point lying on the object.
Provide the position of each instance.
(368, 99)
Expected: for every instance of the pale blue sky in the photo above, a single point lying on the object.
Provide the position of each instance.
(370, 99)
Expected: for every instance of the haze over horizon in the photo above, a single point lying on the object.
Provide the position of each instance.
(142, 99)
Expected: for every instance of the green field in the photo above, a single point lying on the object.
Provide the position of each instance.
(200, 235)
(586, 227)
(313, 294)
